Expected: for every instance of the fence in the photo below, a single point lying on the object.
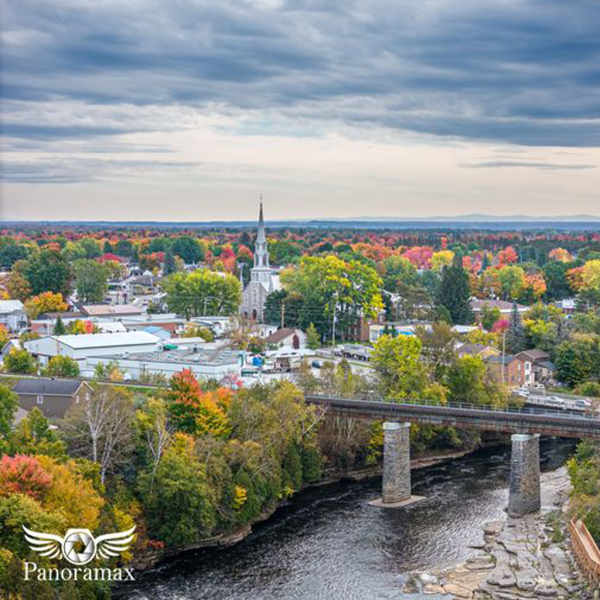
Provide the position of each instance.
(586, 552)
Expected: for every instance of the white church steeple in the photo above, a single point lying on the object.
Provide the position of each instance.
(261, 254)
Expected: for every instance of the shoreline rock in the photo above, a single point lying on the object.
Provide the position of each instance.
(518, 558)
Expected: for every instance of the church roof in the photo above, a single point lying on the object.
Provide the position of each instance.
(261, 234)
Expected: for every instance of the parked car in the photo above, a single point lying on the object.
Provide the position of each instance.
(522, 391)
(316, 364)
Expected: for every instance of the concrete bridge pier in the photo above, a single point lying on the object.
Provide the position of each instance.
(524, 492)
(396, 467)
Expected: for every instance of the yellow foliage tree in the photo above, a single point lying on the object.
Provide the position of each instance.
(71, 495)
(45, 302)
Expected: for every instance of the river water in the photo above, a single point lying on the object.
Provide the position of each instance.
(329, 544)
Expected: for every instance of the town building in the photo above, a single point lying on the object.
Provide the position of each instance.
(53, 397)
(263, 279)
(205, 364)
(82, 347)
(13, 316)
(480, 350)
(543, 370)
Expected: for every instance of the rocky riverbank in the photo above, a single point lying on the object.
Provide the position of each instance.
(518, 558)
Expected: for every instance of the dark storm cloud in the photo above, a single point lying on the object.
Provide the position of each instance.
(524, 72)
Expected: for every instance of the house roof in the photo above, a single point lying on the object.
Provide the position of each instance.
(534, 355)
(471, 349)
(10, 306)
(62, 315)
(48, 387)
(477, 304)
(107, 310)
(508, 358)
(279, 335)
(547, 365)
(107, 340)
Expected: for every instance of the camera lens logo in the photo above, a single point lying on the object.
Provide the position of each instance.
(79, 546)
(75, 540)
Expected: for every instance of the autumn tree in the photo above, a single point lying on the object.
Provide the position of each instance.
(195, 411)
(8, 406)
(45, 302)
(202, 292)
(101, 428)
(61, 366)
(396, 362)
(46, 271)
(20, 361)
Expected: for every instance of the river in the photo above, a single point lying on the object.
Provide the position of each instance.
(328, 544)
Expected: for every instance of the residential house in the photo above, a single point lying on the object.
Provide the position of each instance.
(543, 371)
(52, 396)
(12, 344)
(568, 305)
(510, 370)
(13, 315)
(477, 350)
(287, 338)
(110, 311)
(46, 322)
(504, 307)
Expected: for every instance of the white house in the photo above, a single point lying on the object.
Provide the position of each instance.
(82, 347)
(287, 338)
(13, 315)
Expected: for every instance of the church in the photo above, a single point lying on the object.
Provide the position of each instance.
(263, 278)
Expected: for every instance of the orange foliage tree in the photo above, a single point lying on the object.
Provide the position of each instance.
(195, 411)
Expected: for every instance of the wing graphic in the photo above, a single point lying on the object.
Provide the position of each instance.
(46, 544)
(112, 544)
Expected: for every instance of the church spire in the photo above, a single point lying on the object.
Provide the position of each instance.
(261, 235)
(261, 255)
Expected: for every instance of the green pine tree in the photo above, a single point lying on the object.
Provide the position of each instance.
(515, 334)
(170, 266)
(455, 293)
(59, 328)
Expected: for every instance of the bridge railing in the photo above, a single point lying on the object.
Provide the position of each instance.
(524, 410)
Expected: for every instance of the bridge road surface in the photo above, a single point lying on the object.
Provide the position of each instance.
(508, 420)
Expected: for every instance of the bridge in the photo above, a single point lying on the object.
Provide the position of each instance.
(525, 424)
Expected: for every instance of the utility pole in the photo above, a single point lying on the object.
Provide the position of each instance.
(503, 354)
(282, 314)
(334, 322)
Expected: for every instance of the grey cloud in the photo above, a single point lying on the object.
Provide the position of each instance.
(524, 73)
(499, 164)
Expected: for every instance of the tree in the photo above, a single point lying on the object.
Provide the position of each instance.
(8, 406)
(101, 429)
(336, 289)
(313, 339)
(396, 362)
(47, 271)
(188, 249)
(17, 286)
(512, 281)
(489, 316)
(170, 266)
(515, 334)
(45, 302)
(202, 292)
(91, 280)
(591, 275)
(4, 336)
(176, 497)
(468, 382)
(59, 328)
(20, 361)
(438, 347)
(61, 366)
(455, 294)
(197, 412)
(154, 428)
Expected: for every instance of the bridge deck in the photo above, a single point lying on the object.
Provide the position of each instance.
(508, 420)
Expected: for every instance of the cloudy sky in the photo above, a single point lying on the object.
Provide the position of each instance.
(189, 109)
